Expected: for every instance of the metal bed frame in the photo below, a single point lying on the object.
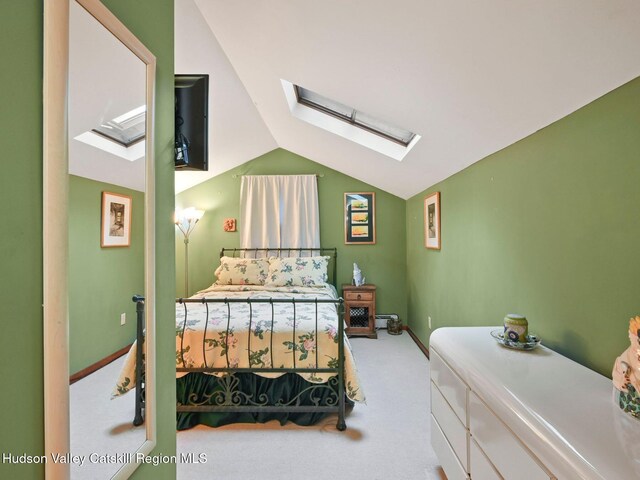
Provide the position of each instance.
(227, 397)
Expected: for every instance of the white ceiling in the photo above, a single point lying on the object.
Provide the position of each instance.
(106, 80)
(237, 132)
(470, 77)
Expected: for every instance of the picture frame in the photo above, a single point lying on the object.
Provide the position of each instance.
(115, 230)
(360, 218)
(432, 221)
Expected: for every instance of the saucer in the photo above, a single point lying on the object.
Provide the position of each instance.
(532, 341)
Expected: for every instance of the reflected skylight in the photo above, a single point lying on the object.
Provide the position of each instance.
(121, 136)
(126, 129)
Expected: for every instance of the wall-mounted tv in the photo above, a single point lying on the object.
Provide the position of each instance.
(192, 100)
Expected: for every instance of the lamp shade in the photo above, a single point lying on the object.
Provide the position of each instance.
(188, 215)
(186, 221)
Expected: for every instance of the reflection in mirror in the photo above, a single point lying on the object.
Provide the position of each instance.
(107, 105)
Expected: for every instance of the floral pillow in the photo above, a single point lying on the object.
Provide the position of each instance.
(242, 271)
(297, 271)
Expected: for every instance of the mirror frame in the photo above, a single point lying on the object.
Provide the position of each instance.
(56, 236)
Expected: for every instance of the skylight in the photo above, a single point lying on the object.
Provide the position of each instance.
(126, 129)
(353, 116)
(348, 122)
(121, 136)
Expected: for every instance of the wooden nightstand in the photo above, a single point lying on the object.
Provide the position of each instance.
(360, 310)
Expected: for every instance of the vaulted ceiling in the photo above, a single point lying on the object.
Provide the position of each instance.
(106, 80)
(470, 77)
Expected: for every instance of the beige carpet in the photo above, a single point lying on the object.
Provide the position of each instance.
(99, 425)
(386, 439)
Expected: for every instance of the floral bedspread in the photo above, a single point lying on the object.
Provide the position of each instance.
(253, 345)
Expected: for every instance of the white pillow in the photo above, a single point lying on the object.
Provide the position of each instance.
(297, 271)
(242, 271)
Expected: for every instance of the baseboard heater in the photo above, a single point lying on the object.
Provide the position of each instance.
(381, 320)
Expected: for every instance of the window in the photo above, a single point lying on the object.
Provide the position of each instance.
(126, 129)
(121, 136)
(279, 211)
(349, 123)
(353, 116)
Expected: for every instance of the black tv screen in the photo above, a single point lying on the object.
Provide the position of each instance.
(192, 100)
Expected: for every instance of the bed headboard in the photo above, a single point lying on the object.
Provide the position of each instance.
(332, 253)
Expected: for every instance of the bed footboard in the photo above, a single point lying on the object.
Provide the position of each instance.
(227, 398)
(326, 397)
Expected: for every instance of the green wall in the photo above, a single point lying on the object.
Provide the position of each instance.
(383, 263)
(547, 227)
(21, 416)
(101, 280)
(152, 22)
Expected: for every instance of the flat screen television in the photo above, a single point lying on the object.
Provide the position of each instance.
(192, 100)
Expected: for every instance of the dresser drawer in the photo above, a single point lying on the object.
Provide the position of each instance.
(481, 467)
(453, 429)
(506, 452)
(451, 386)
(363, 296)
(448, 460)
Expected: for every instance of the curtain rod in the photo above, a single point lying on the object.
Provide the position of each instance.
(319, 175)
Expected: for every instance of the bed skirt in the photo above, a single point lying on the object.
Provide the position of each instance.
(199, 387)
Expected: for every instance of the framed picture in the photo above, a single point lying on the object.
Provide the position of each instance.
(360, 218)
(432, 221)
(116, 220)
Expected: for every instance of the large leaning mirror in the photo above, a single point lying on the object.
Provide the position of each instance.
(101, 137)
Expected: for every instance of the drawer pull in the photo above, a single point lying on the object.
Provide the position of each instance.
(359, 296)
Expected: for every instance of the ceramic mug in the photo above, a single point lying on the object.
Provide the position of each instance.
(516, 328)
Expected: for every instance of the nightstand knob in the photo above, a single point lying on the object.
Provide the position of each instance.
(359, 296)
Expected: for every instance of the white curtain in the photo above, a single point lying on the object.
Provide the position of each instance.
(279, 211)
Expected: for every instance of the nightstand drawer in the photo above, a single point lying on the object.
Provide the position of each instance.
(364, 296)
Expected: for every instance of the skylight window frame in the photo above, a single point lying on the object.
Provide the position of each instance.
(134, 117)
(350, 120)
(118, 141)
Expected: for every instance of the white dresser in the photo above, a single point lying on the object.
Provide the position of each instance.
(498, 413)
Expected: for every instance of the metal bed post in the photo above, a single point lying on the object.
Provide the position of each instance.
(139, 417)
(335, 269)
(341, 425)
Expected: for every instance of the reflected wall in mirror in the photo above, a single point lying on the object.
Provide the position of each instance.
(110, 204)
(106, 155)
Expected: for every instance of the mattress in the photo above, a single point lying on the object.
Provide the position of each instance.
(243, 335)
